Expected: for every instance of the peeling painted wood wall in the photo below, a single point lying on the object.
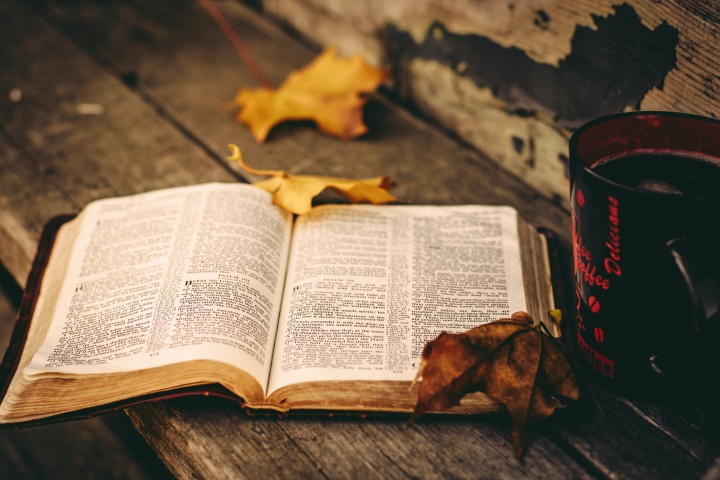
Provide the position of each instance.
(515, 77)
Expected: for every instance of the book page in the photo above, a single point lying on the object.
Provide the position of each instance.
(368, 286)
(170, 276)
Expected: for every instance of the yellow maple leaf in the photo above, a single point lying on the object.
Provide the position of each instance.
(294, 193)
(327, 91)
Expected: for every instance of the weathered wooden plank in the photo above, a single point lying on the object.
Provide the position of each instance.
(108, 155)
(172, 66)
(694, 424)
(54, 159)
(634, 439)
(432, 171)
(211, 438)
(514, 77)
(341, 447)
(433, 448)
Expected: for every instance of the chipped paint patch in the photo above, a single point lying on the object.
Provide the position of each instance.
(609, 68)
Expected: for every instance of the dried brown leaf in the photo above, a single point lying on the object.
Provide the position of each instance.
(511, 360)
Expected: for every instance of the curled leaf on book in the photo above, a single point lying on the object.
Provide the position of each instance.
(328, 91)
(295, 193)
(511, 360)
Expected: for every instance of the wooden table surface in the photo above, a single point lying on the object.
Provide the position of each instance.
(158, 77)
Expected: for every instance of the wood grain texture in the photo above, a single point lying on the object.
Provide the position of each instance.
(532, 145)
(637, 439)
(56, 160)
(302, 446)
(162, 72)
(173, 69)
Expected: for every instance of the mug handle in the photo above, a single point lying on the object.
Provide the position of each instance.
(698, 263)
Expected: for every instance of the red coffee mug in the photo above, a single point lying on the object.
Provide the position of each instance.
(645, 201)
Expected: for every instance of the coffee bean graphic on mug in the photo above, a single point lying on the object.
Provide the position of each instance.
(592, 279)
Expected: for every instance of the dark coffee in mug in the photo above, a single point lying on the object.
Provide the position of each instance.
(677, 173)
(645, 202)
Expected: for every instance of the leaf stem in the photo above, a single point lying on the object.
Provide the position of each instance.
(545, 330)
(236, 156)
(236, 42)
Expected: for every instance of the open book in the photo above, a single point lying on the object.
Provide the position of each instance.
(171, 291)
